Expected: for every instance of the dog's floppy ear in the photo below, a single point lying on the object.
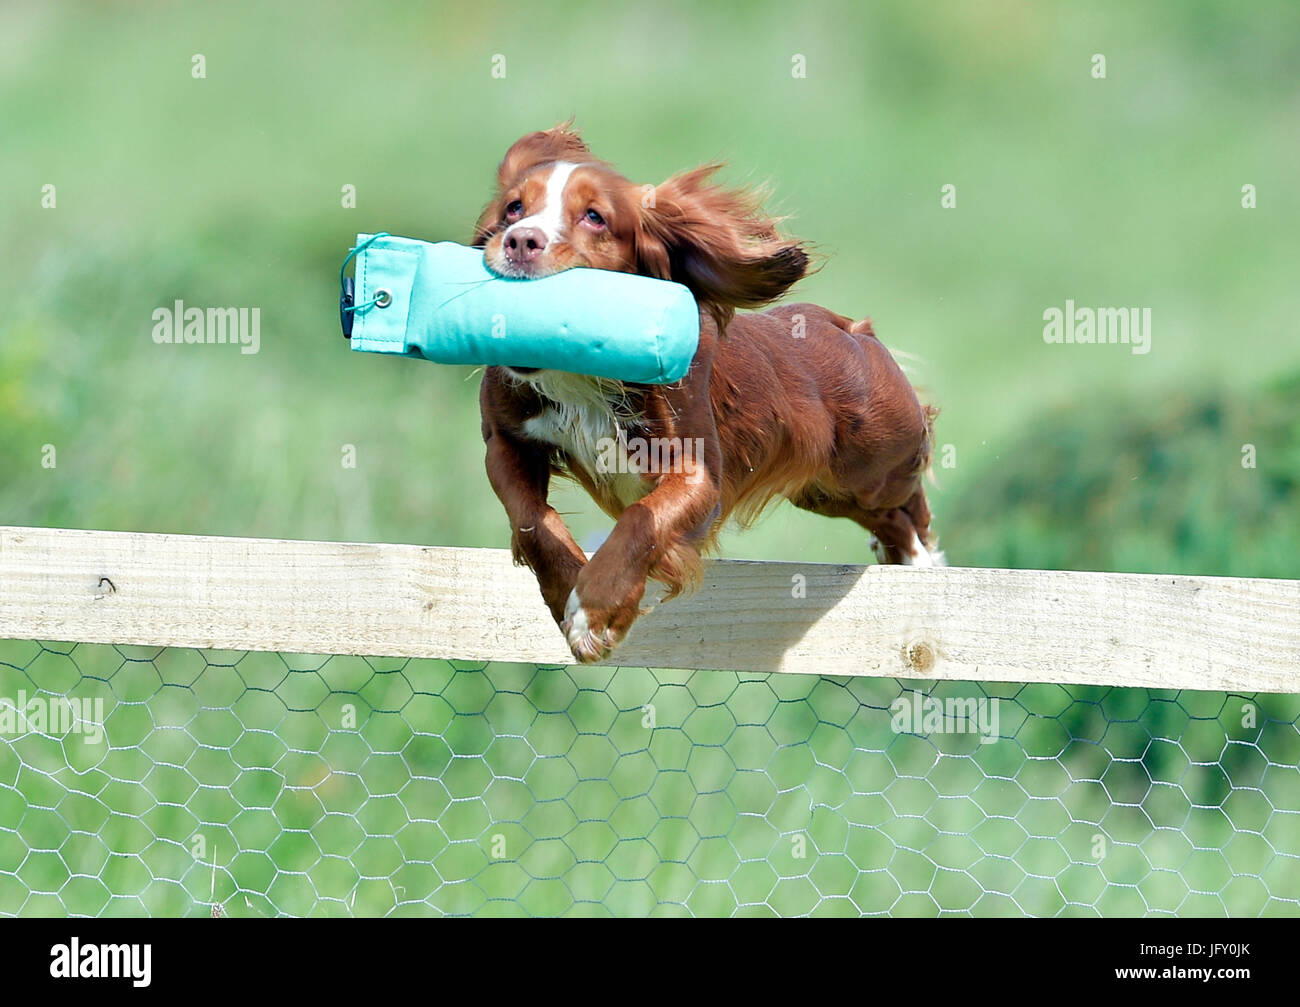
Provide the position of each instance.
(718, 242)
(560, 143)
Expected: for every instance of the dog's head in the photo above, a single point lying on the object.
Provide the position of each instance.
(557, 207)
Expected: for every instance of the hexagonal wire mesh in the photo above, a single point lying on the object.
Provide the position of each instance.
(280, 784)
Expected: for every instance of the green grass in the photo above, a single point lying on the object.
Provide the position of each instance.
(1204, 482)
(226, 191)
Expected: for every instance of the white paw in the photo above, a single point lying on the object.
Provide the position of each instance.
(575, 616)
(587, 645)
(918, 555)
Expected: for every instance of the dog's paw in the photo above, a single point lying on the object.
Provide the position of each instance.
(589, 641)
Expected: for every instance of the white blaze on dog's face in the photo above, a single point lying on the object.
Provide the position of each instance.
(559, 215)
(545, 215)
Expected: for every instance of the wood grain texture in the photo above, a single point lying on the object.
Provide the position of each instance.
(474, 604)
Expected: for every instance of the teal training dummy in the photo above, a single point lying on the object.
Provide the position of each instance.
(440, 302)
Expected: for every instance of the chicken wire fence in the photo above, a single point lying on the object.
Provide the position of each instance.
(179, 782)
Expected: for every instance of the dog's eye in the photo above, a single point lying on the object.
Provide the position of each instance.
(595, 219)
(514, 209)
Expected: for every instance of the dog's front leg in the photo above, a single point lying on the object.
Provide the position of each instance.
(606, 599)
(520, 475)
(652, 533)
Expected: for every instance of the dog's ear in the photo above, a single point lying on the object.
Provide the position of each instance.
(716, 241)
(560, 143)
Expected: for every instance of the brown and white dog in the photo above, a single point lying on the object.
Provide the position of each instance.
(795, 402)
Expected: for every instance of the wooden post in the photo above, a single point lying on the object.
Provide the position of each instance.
(1165, 632)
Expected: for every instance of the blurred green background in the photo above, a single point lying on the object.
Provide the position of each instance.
(226, 190)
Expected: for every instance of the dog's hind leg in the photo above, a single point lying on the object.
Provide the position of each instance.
(901, 535)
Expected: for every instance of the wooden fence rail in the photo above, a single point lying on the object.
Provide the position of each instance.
(1179, 632)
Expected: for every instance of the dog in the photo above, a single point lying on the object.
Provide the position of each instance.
(795, 402)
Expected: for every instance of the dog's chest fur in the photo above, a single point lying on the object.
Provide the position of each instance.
(589, 419)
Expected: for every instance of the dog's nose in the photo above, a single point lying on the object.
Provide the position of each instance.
(524, 244)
